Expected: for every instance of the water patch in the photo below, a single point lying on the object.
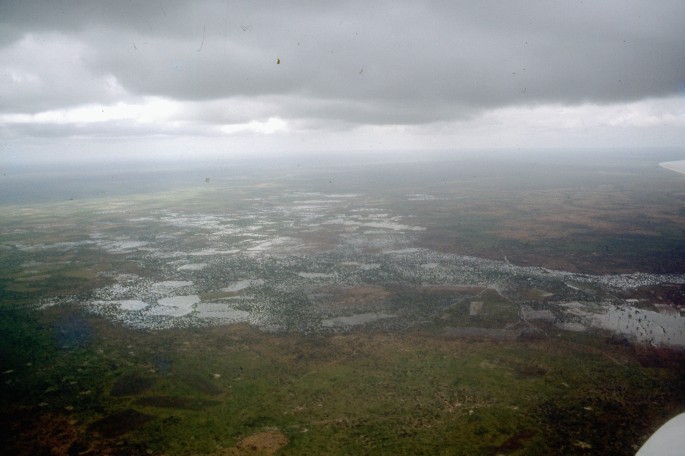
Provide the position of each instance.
(242, 284)
(175, 306)
(114, 306)
(315, 201)
(645, 326)
(62, 246)
(350, 264)
(571, 326)
(121, 246)
(279, 242)
(315, 275)
(223, 312)
(208, 252)
(423, 197)
(342, 195)
(393, 226)
(406, 251)
(192, 267)
(130, 304)
(362, 266)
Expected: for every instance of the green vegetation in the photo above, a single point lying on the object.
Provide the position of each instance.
(198, 391)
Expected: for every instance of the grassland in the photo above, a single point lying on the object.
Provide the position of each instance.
(87, 385)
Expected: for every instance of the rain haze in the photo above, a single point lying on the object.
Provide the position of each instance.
(93, 79)
(307, 227)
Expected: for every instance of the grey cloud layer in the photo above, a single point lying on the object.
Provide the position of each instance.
(357, 62)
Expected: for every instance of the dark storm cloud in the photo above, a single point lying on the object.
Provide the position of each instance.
(357, 62)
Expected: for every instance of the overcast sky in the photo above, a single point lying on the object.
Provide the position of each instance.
(163, 77)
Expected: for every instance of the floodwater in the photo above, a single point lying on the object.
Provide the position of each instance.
(503, 308)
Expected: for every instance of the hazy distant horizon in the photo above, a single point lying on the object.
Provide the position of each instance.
(16, 160)
(56, 180)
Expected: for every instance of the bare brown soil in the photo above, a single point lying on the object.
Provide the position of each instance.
(260, 444)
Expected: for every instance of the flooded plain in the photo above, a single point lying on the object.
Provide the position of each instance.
(309, 286)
